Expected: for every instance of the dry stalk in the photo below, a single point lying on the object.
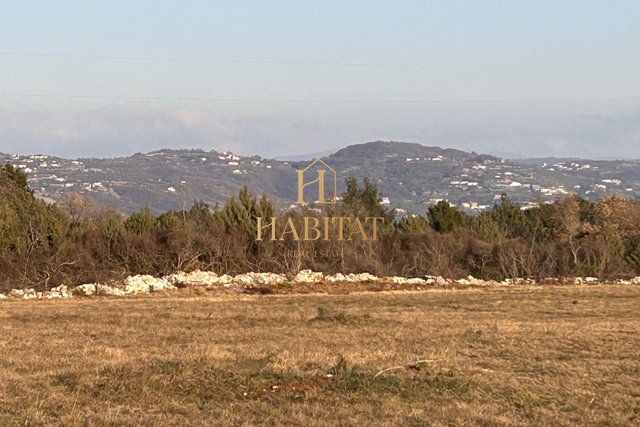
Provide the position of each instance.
(414, 365)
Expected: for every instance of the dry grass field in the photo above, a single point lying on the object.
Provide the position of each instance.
(543, 356)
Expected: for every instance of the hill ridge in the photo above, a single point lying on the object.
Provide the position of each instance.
(410, 176)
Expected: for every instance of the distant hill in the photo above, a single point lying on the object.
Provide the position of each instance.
(411, 176)
(556, 160)
(309, 156)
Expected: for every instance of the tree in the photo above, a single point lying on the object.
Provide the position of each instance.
(412, 224)
(77, 207)
(31, 231)
(17, 177)
(241, 214)
(141, 222)
(445, 218)
(510, 218)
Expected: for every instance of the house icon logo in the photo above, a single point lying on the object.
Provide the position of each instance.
(324, 173)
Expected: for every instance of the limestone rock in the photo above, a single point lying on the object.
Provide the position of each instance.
(144, 283)
(61, 291)
(471, 281)
(85, 290)
(406, 281)
(339, 277)
(90, 289)
(362, 277)
(198, 278)
(110, 291)
(308, 276)
(23, 293)
(352, 277)
(440, 281)
(195, 278)
(259, 279)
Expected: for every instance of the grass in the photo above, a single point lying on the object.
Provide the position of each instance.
(543, 356)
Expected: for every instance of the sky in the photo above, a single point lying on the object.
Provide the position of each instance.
(516, 78)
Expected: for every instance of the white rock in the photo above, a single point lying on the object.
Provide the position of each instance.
(308, 276)
(58, 292)
(199, 278)
(145, 283)
(259, 279)
(406, 281)
(440, 281)
(362, 277)
(86, 289)
(110, 291)
(352, 277)
(585, 280)
(339, 277)
(90, 289)
(23, 293)
(225, 279)
(472, 281)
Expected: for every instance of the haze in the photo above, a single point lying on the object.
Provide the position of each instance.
(517, 79)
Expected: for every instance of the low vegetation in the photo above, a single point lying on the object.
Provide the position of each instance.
(510, 356)
(44, 245)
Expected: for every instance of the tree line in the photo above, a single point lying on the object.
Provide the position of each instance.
(73, 242)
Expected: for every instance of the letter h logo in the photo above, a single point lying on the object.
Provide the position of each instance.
(321, 183)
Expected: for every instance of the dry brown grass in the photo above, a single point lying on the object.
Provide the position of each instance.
(496, 356)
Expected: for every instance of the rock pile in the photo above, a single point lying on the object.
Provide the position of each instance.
(308, 276)
(360, 277)
(259, 279)
(198, 278)
(92, 289)
(143, 284)
(634, 281)
(61, 291)
(408, 281)
(23, 293)
(472, 281)
(58, 292)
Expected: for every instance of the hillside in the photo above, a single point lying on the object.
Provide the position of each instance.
(410, 176)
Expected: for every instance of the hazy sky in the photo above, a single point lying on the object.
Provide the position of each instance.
(512, 77)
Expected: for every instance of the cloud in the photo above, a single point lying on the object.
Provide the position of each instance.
(65, 134)
(109, 131)
(123, 130)
(118, 130)
(587, 136)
